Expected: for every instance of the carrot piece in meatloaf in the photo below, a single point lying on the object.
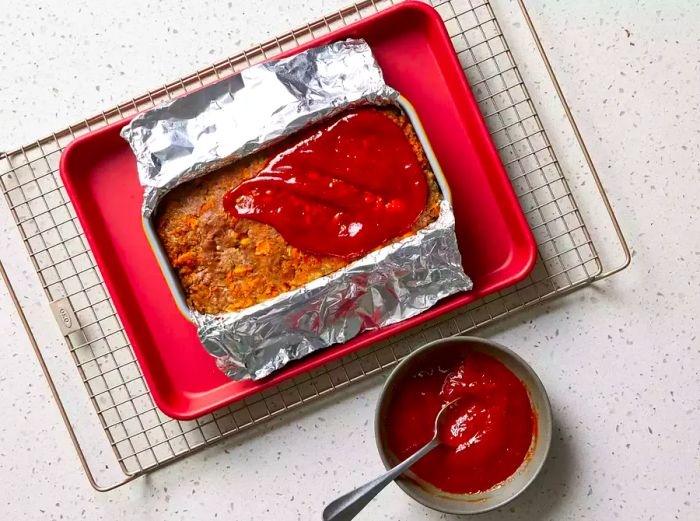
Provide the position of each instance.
(227, 264)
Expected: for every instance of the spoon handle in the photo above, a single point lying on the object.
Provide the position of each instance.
(348, 506)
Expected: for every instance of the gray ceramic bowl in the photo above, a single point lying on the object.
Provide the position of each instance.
(484, 501)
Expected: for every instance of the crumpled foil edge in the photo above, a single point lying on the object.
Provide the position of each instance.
(191, 136)
(389, 285)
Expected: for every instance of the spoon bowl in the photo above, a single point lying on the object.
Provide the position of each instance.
(424, 492)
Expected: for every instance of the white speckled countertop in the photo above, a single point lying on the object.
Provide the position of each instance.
(620, 360)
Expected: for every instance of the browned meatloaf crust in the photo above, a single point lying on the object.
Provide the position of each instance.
(226, 264)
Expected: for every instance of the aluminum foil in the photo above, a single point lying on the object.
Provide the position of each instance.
(387, 286)
(193, 135)
(237, 116)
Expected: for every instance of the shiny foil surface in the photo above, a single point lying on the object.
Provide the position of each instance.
(200, 132)
(193, 135)
(384, 287)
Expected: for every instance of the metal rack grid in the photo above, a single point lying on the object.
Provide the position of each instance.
(143, 438)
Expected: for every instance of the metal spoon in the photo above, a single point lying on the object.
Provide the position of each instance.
(348, 506)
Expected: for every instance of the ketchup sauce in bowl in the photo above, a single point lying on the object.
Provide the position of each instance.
(495, 439)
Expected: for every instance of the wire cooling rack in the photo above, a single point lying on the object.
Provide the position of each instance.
(141, 437)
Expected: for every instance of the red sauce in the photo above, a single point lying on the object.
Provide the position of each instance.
(486, 436)
(343, 189)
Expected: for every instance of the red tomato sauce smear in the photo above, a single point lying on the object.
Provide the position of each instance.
(486, 436)
(343, 189)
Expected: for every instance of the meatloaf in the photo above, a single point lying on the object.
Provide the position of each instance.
(225, 263)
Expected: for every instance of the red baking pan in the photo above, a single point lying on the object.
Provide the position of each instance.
(414, 50)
